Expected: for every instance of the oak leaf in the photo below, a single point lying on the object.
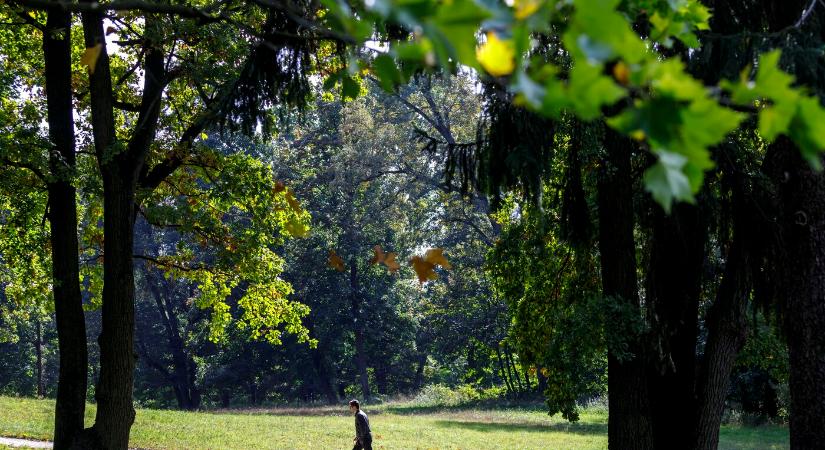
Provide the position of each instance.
(391, 263)
(378, 255)
(435, 256)
(335, 261)
(423, 269)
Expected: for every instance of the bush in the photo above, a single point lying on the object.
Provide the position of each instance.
(442, 395)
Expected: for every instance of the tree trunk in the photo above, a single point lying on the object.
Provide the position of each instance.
(119, 166)
(322, 373)
(183, 366)
(70, 406)
(115, 413)
(419, 371)
(38, 351)
(800, 286)
(358, 328)
(726, 321)
(674, 286)
(629, 425)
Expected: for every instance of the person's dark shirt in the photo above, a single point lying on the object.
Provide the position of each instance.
(362, 427)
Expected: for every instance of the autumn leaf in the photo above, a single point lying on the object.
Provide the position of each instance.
(336, 262)
(435, 256)
(391, 263)
(293, 203)
(90, 56)
(496, 56)
(378, 256)
(525, 8)
(423, 269)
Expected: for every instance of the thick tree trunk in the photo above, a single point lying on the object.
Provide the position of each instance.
(629, 425)
(358, 329)
(119, 168)
(115, 413)
(800, 260)
(674, 286)
(70, 406)
(418, 382)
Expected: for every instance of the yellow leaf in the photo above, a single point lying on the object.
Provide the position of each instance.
(496, 56)
(391, 263)
(378, 256)
(435, 256)
(525, 8)
(423, 269)
(336, 262)
(297, 229)
(621, 73)
(90, 56)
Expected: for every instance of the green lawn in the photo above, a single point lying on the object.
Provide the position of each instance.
(394, 425)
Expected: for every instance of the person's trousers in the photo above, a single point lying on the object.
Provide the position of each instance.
(366, 445)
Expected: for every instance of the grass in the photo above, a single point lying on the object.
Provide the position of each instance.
(394, 425)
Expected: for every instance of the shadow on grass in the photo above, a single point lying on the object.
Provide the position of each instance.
(575, 428)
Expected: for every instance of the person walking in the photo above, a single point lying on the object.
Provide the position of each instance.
(363, 435)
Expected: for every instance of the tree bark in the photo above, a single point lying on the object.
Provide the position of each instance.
(38, 351)
(70, 406)
(629, 426)
(726, 321)
(119, 168)
(800, 287)
(674, 287)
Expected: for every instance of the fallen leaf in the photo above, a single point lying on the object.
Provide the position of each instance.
(435, 256)
(378, 255)
(293, 203)
(90, 57)
(423, 269)
(336, 262)
(391, 263)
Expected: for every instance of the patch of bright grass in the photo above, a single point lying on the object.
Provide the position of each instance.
(394, 425)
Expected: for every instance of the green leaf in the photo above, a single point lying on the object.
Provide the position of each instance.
(350, 88)
(666, 181)
(807, 132)
(388, 74)
(589, 90)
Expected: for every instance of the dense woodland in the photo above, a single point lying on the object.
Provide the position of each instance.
(241, 203)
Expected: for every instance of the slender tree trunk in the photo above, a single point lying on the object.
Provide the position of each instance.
(323, 376)
(674, 286)
(70, 406)
(358, 329)
(726, 321)
(38, 350)
(629, 426)
(419, 371)
(800, 286)
(727, 332)
(503, 372)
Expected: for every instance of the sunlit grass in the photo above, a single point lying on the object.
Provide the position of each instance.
(395, 426)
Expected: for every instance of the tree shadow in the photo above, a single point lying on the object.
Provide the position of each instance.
(575, 428)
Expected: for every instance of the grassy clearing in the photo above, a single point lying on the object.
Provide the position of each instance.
(395, 426)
